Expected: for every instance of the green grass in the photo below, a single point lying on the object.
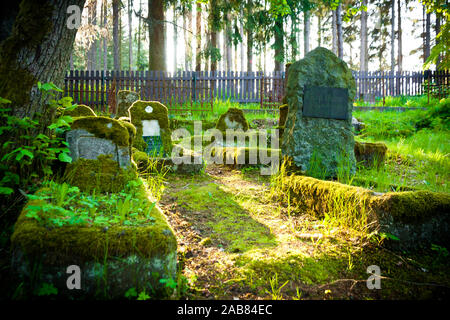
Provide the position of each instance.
(400, 101)
(418, 148)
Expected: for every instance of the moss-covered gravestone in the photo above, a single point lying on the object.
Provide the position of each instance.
(232, 119)
(125, 99)
(80, 110)
(320, 91)
(151, 120)
(100, 151)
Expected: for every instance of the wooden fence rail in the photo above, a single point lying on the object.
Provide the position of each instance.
(196, 91)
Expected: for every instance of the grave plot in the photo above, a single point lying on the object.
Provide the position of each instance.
(318, 140)
(102, 219)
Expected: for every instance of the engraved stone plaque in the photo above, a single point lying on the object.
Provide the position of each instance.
(325, 102)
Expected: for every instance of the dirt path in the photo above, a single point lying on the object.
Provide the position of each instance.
(236, 243)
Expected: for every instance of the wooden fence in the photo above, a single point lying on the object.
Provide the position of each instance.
(196, 91)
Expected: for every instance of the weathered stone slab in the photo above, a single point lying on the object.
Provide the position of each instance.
(85, 145)
(125, 99)
(328, 139)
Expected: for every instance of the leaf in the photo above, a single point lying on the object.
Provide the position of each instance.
(4, 101)
(131, 293)
(24, 152)
(64, 157)
(47, 289)
(6, 190)
(143, 296)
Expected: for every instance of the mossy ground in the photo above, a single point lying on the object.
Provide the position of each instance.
(235, 241)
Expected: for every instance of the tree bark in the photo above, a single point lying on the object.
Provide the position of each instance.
(37, 48)
(241, 31)
(249, 32)
(437, 31)
(130, 36)
(116, 54)
(92, 52)
(399, 40)
(334, 32)
(426, 51)
(340, 40)
(229, 45)
(279, 44)
(157, 61)
(198, 52)
(105, 40)
(175, 38)
(392, 36)
(363, 64)
(306, 31)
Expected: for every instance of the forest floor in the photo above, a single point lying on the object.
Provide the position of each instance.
(236, 242)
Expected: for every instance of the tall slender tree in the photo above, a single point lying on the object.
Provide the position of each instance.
(130, 37)
(116, 50)
(364, 61)
(157, 58)
(340, 38)
(198, 38)
(392, 36)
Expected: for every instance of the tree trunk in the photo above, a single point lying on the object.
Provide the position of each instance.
(437, 31)
(187, 29)
(279, 44)
(363, 64)
(229, 45)
(130, 37)
(399, 40)
(92, 52)
(306, 31)
(138, 57)
(105, 43)
(157, 61)
(340, 40)
(115, 5)
(392, 36)
(37, 48)
(319, 30)
(175, 38)
(426, 51)
(249, 32)
(241, 31)
(198, 52)
(334, 32)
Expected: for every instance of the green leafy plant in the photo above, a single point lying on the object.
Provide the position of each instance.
(30, 146)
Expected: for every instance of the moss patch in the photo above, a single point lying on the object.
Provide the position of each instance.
(370, 153)
(235, 118)
(80, 110)
(102, 175)
(61, 245)
(229, 224)
(413, 206)
(105, 128)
